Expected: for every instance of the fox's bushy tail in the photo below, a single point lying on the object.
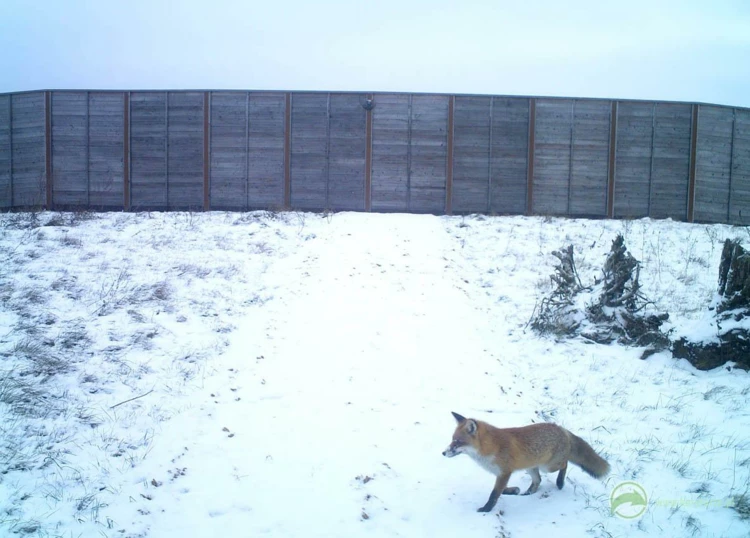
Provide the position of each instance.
(584, 456)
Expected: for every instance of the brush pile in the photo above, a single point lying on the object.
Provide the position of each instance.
(612, 309)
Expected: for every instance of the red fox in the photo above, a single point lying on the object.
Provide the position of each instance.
(502, 451)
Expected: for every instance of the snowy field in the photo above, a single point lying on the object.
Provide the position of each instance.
(292, 375)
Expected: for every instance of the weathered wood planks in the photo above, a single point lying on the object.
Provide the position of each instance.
(185, 150)
(391, 135)
(428, 153)
(739, 205)
(633, 168)
(509, 152)
(265, 156)
(590, 158)
(491, 155)
(552, 156)
(346, 157)
(148, 150)
(411, 152)
(714, 163)
(6, 152)
(27, 148)
(671, 161)
(471, 160)
(228, 143)
(310, 151)
(106, 149)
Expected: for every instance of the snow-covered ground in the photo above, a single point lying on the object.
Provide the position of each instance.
(292, 374)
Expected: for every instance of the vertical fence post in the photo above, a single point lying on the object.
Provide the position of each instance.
(126, 151)
(449, 160)
(530, 158)
(206, 151)
(368, 154)
(612, 161)
(288, 151)
(693, 163)
(48, 147)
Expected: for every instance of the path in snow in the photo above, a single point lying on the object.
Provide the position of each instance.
(351, 370)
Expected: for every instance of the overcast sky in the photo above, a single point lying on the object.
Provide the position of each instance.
(682, 50)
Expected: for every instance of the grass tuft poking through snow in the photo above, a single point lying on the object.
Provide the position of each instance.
(292, 374)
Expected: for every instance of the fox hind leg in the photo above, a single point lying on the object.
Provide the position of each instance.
(561, 476)
(536, 479)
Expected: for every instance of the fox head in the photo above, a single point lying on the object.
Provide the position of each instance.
(463, 438)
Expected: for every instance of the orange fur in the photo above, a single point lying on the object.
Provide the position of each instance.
(538, 447)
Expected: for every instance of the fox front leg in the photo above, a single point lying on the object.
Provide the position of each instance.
(500, 482)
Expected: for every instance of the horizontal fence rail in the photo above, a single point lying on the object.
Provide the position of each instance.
(419, 153)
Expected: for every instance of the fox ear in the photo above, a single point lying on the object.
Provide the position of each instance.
(458, 417)
(471, 427)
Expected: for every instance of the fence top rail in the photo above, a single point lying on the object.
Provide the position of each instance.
(376, 93)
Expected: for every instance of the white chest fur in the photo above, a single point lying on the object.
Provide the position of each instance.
(485, 462)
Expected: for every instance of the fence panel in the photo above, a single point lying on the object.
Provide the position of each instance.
(70, 149)
(552, 152)
(671, 168)
(739, 206)
(510, 155)
(266, 116)
(633, 162)
(106, 149)
(310, 124)
(346, 160)
(714, 163)
(391, 133)
(185, 150)
(471, 154)
(429, 153)
(590, 158)
(228, 150)
(28, 149)
(148, 150)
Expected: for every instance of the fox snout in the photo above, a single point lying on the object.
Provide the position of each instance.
(452, 450)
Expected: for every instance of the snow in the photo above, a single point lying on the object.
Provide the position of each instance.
(293, 374)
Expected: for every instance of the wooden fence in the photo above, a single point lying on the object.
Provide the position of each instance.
(240, 150)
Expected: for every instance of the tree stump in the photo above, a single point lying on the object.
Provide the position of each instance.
(731, 316)
(734, 277)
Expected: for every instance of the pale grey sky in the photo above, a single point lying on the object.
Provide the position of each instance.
(667, 50)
